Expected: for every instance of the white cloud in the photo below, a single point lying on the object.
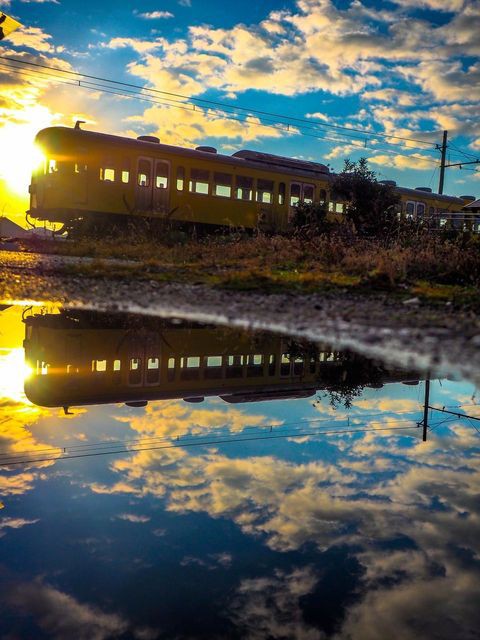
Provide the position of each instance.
(437, 5)
(13, 523)
(156, 15)
(61, 616)
(132, 517)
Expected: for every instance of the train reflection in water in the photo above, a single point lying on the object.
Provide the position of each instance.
(83, 358)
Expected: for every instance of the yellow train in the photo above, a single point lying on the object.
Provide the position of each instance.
(87, 176)
(82, 358)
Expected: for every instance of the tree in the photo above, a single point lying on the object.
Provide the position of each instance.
(370, 205)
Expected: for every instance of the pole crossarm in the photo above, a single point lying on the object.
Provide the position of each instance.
(454, 413)
(460, 164)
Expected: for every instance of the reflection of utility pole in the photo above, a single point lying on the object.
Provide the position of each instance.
(426, 407)
(443, 149)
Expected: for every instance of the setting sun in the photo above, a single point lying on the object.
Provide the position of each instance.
(13, 373)
(21, 155)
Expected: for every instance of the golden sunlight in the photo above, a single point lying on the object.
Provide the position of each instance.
(20, 155)
(13, 373)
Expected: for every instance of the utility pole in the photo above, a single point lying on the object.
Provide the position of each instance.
(443, 149)
(426, 407)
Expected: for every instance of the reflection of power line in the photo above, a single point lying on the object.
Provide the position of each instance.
(165, 439)
(197, 443)
(69, 453)
(455, 414)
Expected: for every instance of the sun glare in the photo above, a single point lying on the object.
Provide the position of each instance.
(13, 373)
(19, 154)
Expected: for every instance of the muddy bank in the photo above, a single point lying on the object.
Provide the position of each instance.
(405, 332)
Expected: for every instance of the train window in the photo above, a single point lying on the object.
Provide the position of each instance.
(99, 365)
(199, 181)
(323, 196)
(43, 369)
(431, 211)
(52, 166)
(294, 193)
(214, 361)
(80, 167)
(234, 361)
(308, 193)
(420, 209)
(281, 193)
(244, 188)
(339, 207)
(180, 178)
(265, 191)
(117, 365)
(193, 362)
(135, 364)
(410, 209)
(125, 176)
(222, 185)
(143, 176)
(161, 175)
(271, 365)
(285, 364)
(153, 370)
(107, 174)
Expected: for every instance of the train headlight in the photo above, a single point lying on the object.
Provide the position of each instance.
(38, 160)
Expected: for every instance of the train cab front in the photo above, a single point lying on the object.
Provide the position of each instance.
(57, 182)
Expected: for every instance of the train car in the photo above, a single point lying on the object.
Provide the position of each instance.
(86, 177)
(82, 358)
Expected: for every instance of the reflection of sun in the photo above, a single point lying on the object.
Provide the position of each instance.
(13, 373)
(19, 154)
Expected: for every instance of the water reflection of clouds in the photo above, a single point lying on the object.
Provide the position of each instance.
(172, 418)
(379, 492)
(62, 617)
(406, 511)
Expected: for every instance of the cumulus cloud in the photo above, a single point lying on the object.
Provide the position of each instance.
(449, 6)
(13, 523)
(62, 617)
(269, 607)
(155, 15)
(133, 517)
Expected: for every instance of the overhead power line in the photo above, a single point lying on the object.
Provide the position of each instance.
(305, 127)
(216, 103)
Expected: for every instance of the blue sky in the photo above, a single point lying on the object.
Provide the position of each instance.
(401, 67)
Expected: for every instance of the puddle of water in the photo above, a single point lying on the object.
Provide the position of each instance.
(164, 479)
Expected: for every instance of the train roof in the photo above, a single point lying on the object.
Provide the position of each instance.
(243, 158)
(417, 194)
(473, 205)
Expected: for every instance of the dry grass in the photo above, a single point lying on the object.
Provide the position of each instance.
(428, 266)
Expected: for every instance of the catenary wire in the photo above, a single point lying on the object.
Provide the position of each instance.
(283, 126)
(211, 102)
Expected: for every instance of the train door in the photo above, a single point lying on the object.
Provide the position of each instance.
(161, 186)
(295, 197)
(144, 185)
(308, 193)
(80, 169)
